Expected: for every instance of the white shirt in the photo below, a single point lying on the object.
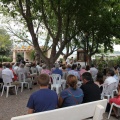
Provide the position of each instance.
(39, 68)
(110, 80)
(9, 73)
(15, 69)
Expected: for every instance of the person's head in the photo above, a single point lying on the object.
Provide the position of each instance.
(110, 72)
(57, 65)
(17, 64)
(92, 65)
(72, 81)
(74, 66)
(44, 66)
(86, 77)
(68, 66)
(63, 67)
(87, 67)
(21, 65)
(100, 78)
(43, 80)
(38, 63)
(7, 65)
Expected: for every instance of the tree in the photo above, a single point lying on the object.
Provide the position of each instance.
(5, 42)
(100, 28)
(62, 19)
(58, 17)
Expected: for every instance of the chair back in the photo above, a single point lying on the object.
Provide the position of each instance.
(108, 89)
(56, 78)
(6, 79)
(33, 70)
(21, 77)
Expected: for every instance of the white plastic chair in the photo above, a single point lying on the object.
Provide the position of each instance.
(56, 82)
(7, 84)
(108, 90)
(21, 78)
(113, 104)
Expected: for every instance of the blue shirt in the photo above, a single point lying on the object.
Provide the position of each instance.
(43, 100)
(57, 71)
(71, 99)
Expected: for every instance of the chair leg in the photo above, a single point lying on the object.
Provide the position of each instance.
(28, 85)
(110, 111)
(16, 90)
(2, 91)
(21, 87)
(7, 91)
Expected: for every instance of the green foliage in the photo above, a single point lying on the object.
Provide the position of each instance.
(32, 54)
(5, 42)
(5, 59)
(65, 19)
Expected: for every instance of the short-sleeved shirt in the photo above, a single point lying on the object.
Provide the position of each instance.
(43, 100)
(71, 98)
(9, 73)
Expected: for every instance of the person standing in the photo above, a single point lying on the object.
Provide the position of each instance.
(44, 99)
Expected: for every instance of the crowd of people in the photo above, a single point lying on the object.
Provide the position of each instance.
(44, 99)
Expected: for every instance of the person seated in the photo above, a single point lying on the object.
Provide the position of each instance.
(22, 70)
(57, 70)
(82, 71)
(74, 71)
(1, 80)
(110, 79)
(10, 75)
(99, 80)
(72, 95)
(45, 70)
(44, 99)
(90, 89)
(93, 70)
(64, 72)
(15, 75)
(115, 100)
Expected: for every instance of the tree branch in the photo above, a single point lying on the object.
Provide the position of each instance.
(45, 21)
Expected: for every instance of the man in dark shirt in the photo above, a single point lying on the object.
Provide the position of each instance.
(91, 91)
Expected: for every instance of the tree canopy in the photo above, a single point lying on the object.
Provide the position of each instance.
(5, 42)
(64, 20)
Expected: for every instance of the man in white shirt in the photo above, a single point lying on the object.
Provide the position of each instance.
(110, 79)
(39, 68)
(10, 75)
(16, 67)
(93, 71)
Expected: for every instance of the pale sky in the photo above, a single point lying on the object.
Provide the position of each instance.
(116, 47)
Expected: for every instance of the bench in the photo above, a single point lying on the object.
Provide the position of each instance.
(78, 112)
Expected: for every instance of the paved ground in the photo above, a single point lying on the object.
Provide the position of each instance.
(16, 105)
